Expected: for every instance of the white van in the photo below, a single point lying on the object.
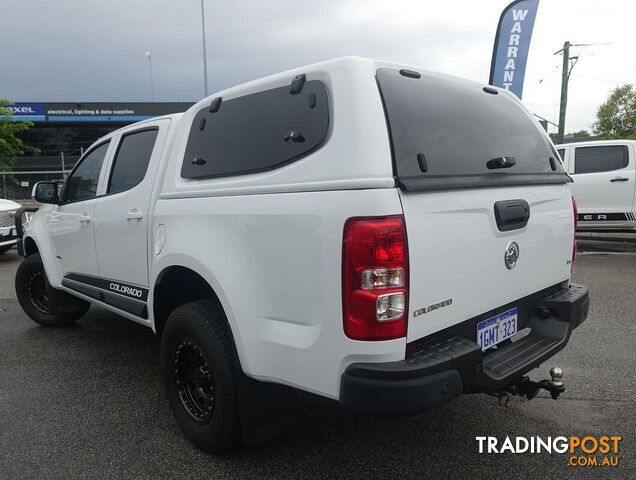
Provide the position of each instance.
(604, 183)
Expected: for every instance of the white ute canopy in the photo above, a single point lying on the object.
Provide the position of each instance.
(453, 136)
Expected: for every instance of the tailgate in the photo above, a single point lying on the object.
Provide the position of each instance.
(457, 251)
(479, 177)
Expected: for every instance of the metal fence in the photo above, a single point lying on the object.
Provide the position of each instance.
(17, 176)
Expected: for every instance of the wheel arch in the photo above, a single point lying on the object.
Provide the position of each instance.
(180, 280)
(29, 246)
(37, 239)
(177, 285)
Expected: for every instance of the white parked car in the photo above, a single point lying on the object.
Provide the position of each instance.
(604, 174)
(8, 235)
(368, 232)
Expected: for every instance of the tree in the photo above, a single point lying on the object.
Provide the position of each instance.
(581, 134)
(616, 118)
(11, 145)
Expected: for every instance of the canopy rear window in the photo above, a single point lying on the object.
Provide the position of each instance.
(444, 131)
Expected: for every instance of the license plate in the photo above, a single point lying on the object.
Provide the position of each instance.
(496, 329)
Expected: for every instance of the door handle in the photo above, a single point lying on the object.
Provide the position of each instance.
(85, 219)
(619, 179)
(134, 214)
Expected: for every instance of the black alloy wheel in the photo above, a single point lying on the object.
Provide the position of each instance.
(44, 304)
(36, 286)
(195, 385)
(200, 369)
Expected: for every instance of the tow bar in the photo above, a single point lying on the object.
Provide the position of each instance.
(524, 387)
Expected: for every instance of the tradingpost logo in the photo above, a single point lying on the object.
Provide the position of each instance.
(585, 451)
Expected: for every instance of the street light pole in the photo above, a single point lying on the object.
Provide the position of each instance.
(205, 61)
(152, 88)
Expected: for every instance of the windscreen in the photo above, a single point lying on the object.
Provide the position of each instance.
(449, 133)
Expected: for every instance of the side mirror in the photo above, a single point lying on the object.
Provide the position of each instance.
(45, 192)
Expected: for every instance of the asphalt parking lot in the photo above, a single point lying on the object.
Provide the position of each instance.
(86, 402)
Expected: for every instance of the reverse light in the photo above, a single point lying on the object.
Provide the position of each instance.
(375, 278)
(389, 307)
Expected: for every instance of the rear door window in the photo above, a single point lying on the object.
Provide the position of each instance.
(131, 160)
(257, 132)
(445, 130)
(600, 159)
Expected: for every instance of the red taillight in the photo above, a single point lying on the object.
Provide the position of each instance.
(576, 221)
(375, 278)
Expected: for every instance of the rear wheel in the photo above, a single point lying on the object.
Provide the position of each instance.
(41, 302)
(199, 373)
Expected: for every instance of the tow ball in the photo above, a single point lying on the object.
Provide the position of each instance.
(525, 387)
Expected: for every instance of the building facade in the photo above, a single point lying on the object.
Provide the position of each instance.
(61, 132)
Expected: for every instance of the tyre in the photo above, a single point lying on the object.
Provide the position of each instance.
(5, 249)
(199, 370)
(41, 302)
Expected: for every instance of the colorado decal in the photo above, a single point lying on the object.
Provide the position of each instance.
(126, 290)
(127, 297)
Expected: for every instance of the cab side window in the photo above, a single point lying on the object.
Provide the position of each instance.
(600, 159)
(82, 183)
(131, 160)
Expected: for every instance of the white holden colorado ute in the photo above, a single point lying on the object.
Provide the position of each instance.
(383, 236)
(604, 183)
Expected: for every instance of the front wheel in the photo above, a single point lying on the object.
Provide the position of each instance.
(34, 295)
(199, 373)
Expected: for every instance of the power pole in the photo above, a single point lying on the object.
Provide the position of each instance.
(568, 65)
(565, 76)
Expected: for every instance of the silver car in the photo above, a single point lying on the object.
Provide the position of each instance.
(8, 235)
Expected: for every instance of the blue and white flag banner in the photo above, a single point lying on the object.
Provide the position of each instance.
(512, 42)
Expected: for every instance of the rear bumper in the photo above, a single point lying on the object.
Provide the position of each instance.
(442, 368)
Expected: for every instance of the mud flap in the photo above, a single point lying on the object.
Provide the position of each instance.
(267, 410)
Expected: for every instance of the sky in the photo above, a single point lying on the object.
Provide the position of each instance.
(94, 50)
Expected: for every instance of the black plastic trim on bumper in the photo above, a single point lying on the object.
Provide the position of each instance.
(445, 367)
(402, 396)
